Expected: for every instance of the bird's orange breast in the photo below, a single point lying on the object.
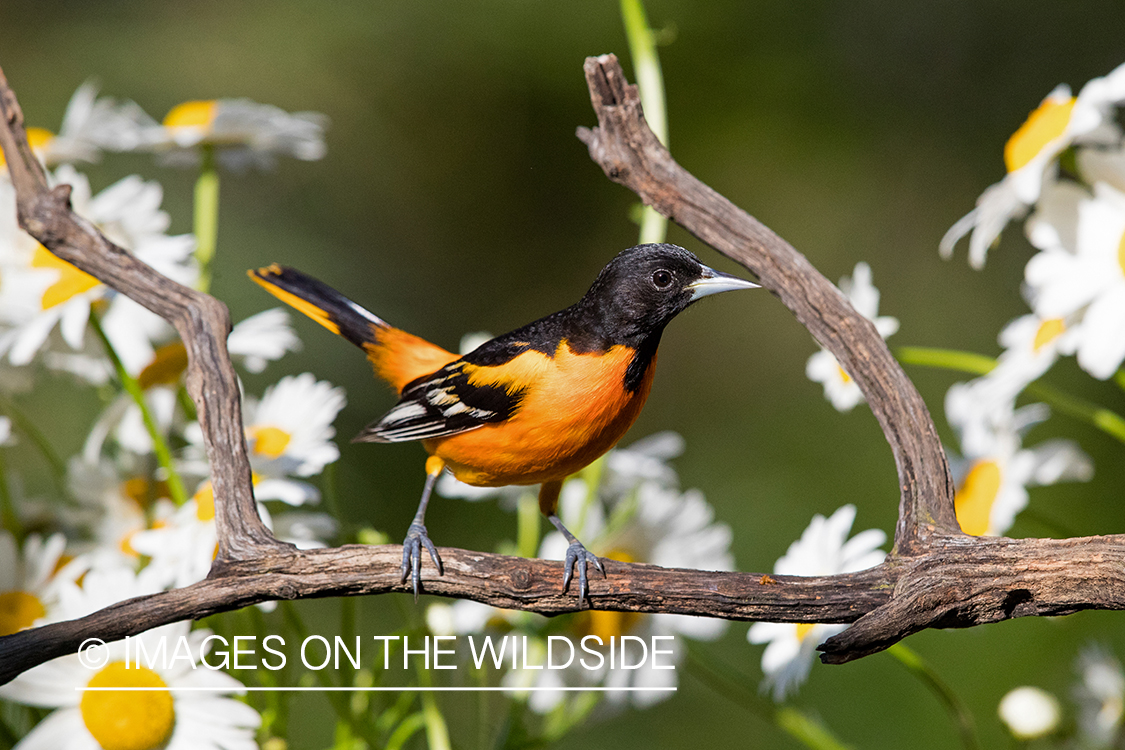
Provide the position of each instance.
(575, 407)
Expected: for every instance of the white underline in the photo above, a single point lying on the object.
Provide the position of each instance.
(404, 689)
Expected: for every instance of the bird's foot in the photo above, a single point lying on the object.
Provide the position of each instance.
(416, 539)
(578, 555)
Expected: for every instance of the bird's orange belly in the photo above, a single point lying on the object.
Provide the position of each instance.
(575, 408)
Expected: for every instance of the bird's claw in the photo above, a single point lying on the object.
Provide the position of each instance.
(576, 553)
(416, 539)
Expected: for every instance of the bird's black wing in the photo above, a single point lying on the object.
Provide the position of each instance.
(441, 404)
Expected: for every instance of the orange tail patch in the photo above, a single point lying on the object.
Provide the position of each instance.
(398, 357)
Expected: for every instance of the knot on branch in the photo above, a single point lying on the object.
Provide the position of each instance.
(963, 581)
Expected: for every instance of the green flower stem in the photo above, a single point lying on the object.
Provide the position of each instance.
(437, 733)
(484, 712)
(567, 715)
(133, 388)
(809, 731)
(42, 444)
(348, 635)
(946, 359)
(205, 217)
(8, 518)
(592, 475)
(650, 81)
(186, 404)
(806, 729)
(527, 525)
(338, 700)
(396, 713)
(1107, 421)
(958, 712)
(276, 703)
(404, 731)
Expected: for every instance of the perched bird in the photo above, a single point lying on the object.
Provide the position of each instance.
(532, 406)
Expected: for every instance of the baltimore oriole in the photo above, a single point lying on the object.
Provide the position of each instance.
(531, 406)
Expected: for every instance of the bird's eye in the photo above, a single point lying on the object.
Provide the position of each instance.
(661, 279)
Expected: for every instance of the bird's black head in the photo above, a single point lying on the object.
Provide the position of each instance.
(646, 286)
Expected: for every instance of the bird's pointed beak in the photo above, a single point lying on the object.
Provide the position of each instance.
(713, 282)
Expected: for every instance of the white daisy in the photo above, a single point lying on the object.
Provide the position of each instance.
(182, 543)
(655, 524)
(1086, 277)
(1030, 712)
(822, 367)
(6, 431)
(160, 719)
(115, 504)
(183, 548)
(290, 430)
(44, 145)
(823, 549)
(244, 133)
(1031, 346)
(462, 617)
(289, 433)
(1102, 165)
(1100, 696)
(262, 338)
(254, 341)
(304, 529)
(90, 124)
(39, 291)
(995, 469)
(636, 514)
(28, 580)
(1030, 157)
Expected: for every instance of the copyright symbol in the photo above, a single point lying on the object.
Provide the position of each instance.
(93, 654)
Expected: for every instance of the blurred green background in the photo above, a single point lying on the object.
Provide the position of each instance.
(455, 197)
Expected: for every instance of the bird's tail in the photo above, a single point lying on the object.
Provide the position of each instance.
(397, 356)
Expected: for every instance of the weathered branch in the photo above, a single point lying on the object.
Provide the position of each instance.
(936, 576)
(629, 153)
(201, 320)
(509, 582)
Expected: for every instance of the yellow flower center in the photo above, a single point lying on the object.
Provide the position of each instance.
(133, 719)
(196, 114)
(143, 492)
(71, 281)
(1121, 252)
(1043, 125)
(38, 139)
(845, 378)
(166, 367)
(1049, 330)
(204, 499)
(803, 629)
(126, 544)
(974, 499)
(19, 610)
(205, 503)
(269, 441)
(606, 625)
